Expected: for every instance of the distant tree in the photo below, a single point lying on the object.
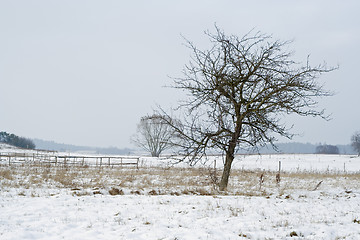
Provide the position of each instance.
(154, 134)
(355, 142)
(327, 149)
(16, 141)
(238, 91)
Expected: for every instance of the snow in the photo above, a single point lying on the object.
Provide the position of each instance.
(316, 216)
(330, 212)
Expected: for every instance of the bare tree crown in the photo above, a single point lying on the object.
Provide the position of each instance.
(238, 92)
(241, 87)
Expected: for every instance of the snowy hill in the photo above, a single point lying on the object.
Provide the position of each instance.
(51, 145)
(6, 146)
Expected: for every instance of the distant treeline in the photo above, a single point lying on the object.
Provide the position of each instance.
(16, 141)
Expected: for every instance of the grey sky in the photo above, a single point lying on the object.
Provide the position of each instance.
(84, 72)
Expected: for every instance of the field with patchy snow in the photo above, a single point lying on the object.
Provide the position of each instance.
(318, 197)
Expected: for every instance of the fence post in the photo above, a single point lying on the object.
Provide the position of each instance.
(278, 177)
(279, 166)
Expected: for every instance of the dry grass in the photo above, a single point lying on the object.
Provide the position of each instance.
(174, 181)
(303, 181)
(6, 174)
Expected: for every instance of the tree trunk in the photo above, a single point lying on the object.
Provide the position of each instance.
(227, 167)
(155, 154)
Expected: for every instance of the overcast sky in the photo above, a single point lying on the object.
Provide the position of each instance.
(84, 72)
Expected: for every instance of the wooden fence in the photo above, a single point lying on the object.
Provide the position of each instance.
(65, 160)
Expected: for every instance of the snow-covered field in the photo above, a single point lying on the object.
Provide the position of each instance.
(318, 198)
(315, 215)
(289, 162)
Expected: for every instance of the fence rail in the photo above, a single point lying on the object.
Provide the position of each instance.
(56, 159)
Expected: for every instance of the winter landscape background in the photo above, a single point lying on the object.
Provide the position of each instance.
(85, 73)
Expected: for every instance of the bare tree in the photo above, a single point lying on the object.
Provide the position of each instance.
(238, 92)
(154, 134)
(355, 142)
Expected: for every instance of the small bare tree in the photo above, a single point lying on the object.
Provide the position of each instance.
(154, 134)
(355, 142)
(238, 92)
